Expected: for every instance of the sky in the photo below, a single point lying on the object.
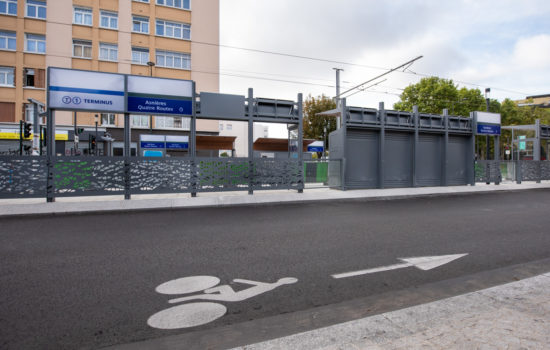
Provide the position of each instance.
(503, 45)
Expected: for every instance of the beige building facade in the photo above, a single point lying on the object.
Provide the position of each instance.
(162, 38)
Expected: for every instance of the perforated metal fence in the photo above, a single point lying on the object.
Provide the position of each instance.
(26, 177)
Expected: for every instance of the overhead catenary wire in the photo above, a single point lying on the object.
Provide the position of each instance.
(318, 59)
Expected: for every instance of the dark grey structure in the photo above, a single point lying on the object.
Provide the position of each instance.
(384, 149)
(53, 176)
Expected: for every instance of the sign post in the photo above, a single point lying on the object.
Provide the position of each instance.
(489, 124)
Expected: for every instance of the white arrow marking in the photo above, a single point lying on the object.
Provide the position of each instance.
(422, 263)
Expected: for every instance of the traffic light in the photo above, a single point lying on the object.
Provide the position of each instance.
(92, 144)
(27, 129)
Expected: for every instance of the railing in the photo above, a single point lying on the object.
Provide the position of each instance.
(27, 177)
(523, 170)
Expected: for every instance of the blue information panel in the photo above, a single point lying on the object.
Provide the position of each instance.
(151, 145)
(488, 129)
(154, 105)
(177, 145)
(315, 149)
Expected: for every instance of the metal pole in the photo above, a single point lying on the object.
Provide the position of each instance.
(416, 152)
(127, 154)
(21, 137)
(251, 141)
(76, 136)
(300, 142)
(337, 98)
(488, 147)
(50, 152)
(382, 115)
(445, 177)
(193, 143)
(35, 131)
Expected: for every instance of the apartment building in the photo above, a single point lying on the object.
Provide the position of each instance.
(160, 38)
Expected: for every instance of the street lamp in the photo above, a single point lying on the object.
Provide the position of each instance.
(151, 64)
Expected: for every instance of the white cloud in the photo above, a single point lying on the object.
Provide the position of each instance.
(498, 44)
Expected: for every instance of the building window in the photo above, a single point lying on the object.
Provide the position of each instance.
(221, 126)
(140, 121)
(8, 7)
(6, 76)
(173, 60)
(181, 4)
(229, 127)
(28, 77)
(82, 16)
(82, 49)
(173, 29)
(172, 123)
(7, 40)
(36, 9)
(140, 24)
(108, 20)
(35, 43)
(108, 119)
(108, 52)
(139, 55)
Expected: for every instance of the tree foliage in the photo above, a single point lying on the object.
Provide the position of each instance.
(314, 124)
(434, 94)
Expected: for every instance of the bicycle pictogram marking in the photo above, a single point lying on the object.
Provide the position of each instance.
(199, 313)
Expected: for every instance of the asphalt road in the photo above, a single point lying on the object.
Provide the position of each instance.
(88, 281)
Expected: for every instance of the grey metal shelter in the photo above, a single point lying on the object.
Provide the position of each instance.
(384, 149)
(52, 176)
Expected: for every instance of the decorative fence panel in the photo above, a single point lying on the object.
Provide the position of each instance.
(23, 177)
(88, 176)
(27, 177)
(488, 171)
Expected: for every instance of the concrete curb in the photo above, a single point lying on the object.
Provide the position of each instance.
(77, 205)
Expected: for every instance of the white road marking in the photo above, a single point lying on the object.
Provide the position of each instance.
(422, 263)
(186, 285)
(199, 313)
(187, 315)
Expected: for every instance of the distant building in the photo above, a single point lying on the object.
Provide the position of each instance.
(542, 101)
(117, 36)
(240, 131)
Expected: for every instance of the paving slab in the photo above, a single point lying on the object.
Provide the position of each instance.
(511, 316)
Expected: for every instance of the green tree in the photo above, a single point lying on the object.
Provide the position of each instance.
(313, 123)
(433, 94)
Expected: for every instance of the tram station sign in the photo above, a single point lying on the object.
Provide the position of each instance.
(77, 90)
(488, 123)
(159, 96)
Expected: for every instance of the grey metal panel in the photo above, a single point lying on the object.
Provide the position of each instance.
(362, 159)
(221, 105)
(336, 142)
(428, 168)
(398, 159)
(459, 157)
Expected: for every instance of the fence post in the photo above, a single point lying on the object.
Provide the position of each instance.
(518, 172)
(250, 141)
(382, 115)
(497, 159)
(444, 176)
(193, 143)
(300, 143)
(50, 156)
(127, 154)
(415, 147)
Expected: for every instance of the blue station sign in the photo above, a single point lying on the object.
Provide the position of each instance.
(488, 129)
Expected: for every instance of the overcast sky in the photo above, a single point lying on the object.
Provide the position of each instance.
(504, 45)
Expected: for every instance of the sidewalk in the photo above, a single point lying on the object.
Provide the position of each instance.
(62, 205)
(511, 316)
